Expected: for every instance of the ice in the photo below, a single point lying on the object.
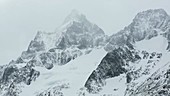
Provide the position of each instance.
(75, 73)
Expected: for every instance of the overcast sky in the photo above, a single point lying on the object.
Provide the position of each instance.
(21, 19)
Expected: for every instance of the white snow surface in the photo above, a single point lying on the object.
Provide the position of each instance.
(155, 44)
(75, 73)
(117, 86)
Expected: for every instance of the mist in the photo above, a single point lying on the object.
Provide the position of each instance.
(21, 19)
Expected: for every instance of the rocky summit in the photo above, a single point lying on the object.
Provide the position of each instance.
(79, 59)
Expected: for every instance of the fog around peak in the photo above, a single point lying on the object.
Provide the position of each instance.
(21, 19)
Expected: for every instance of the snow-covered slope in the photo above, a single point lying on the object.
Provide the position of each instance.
(158, 57)
(123, 71)
(157, 82)
(157, 44)
(135, 54)
(145, 25)
(79, 60)
(75, 37)
(73, 75)
(75, 34)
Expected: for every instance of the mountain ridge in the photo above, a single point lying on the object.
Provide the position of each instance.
(126, 61)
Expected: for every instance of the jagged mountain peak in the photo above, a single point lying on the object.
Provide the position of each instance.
(145, 25)
(75, 16)
(151, 13)
(152, 18)
(77, 32)
(149, 22)
(76, 51)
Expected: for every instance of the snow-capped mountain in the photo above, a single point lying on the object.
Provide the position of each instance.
(66, 79)
(145, 25)
(78, 59)
(75, 37)
(135, 54)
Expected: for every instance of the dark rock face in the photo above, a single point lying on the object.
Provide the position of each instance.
(50, 49)
(54, 91)
(149, 20)
(82, 34)
(140, 71)
(60, 57)
(168, 38)
(35, 46)
(145, 25)
(47, 60)
(112, 65)
(158, 84)
(168, 48)
(129, 78)
(60, 47)
(63, 43)
(7, 73)
(12, 77)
